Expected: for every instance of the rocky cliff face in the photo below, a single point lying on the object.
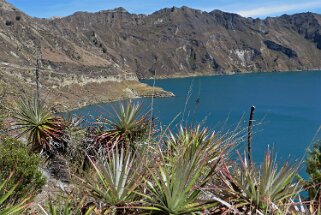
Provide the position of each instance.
(170, 42)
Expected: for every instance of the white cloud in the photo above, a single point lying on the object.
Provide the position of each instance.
(283, 8)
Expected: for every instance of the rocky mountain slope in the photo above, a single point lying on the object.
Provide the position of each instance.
(176, 41)
(116, 45)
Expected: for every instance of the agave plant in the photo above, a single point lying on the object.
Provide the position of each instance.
(193, 139)
(176, 185)
(174, 190)
(266, 190)
(117, 177)
(6, 207)
(128, 126)
(45, 131)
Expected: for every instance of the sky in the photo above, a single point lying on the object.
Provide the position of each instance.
(247, 8)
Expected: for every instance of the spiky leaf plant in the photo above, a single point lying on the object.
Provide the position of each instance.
(194, 139)
(68, 206)
(128, 125)
(6, 206)
(219, 145)
(45, 130)
(117, 176)
(176, 185)
(267, 189)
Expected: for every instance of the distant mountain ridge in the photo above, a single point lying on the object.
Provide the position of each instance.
(168, 43)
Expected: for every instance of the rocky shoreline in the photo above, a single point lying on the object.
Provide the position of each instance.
(209, 74)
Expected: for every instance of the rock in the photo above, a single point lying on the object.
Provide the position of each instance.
(59, 169)
(277, 47)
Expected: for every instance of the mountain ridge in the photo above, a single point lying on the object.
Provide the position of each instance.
(172, 42)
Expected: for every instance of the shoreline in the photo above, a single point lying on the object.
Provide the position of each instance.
(117, 92)
(191, 75)
(165, 93)
(79, 95)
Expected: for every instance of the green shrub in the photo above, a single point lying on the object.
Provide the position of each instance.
(313, 163)
(14, 156)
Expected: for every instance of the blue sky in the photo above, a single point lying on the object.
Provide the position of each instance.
(253, 8)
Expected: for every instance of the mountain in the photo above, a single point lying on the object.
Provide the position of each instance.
(172, 42)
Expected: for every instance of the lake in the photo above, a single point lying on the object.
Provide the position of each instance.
(288, 107)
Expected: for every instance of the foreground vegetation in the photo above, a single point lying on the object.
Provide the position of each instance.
(126, 165)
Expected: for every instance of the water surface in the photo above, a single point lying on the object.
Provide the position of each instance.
(288, 104)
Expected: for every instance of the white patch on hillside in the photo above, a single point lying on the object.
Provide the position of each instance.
(243, 55)
(14, 54)
(158, 21)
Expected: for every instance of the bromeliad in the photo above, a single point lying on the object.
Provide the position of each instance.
(45, 130)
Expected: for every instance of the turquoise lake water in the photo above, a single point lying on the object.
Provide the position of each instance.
(288, 107)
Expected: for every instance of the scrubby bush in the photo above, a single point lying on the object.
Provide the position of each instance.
(314, 171)
(15, 157)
